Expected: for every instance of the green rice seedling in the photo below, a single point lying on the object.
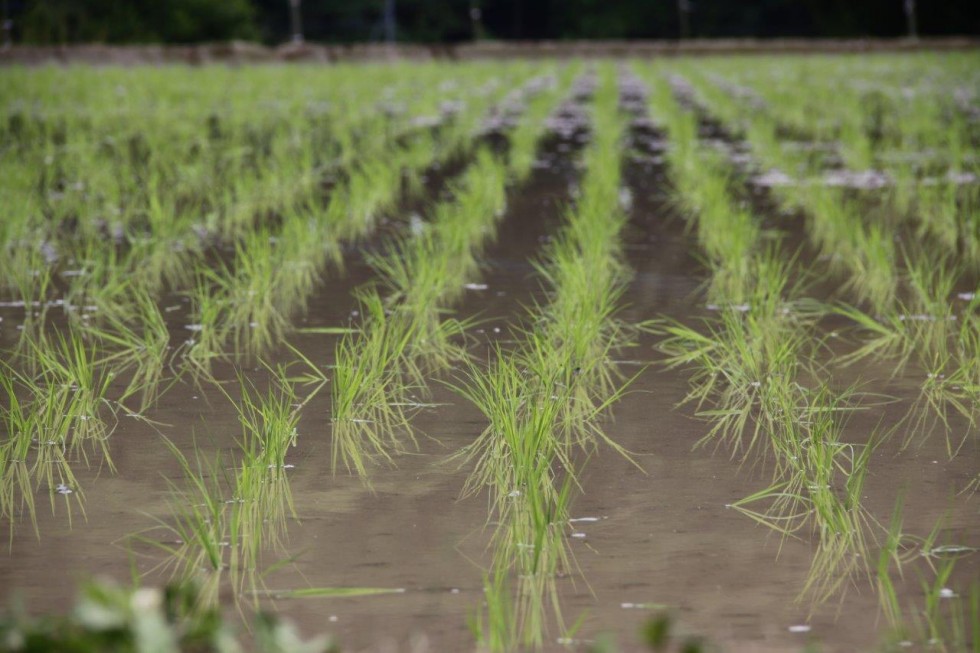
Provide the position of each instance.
(524, 138)
(206, 344)
(586, 387)
(34, 451)
(240, 513)
(521, 441)
(262, 498)
(70, 372)
(406, 335)
(369, 395)
(943, 397)
(99, 286)
(199, 524)
(947, 620)
(422, 275)
(497, 630)
(747, 362)
(922, 326)
(168, 258)
(873, 273)
(415, 290)
(926, 331)
(138, 346)
(819, 486)
(253, 320)
(33, 284)
(890, 554)
(938, 213)
(521, 458)
(16, 481)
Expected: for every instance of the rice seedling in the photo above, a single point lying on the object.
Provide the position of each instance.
(406, 335)
(927, 332)
(138, 346)
(819, 486)
(33, 282)
(253, 498)
(199, 526)
(70, 369)
(748, 362)
(262, 494)
(947, 620)
(35, 450)
(522, 458)
(370, 390)
(524, 138)
(543, 399)
(206, 342)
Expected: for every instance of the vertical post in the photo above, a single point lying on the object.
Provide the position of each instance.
(390, 21)
(296, 21)
(8, 26)
(910, 20)
(683, 13)
(476, 20)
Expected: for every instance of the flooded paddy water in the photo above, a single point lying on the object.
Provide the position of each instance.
(773, 533)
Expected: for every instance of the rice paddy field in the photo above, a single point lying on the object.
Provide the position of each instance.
(501, 356)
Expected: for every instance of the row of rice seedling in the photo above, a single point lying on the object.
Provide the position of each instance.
(247, 300)
(907, 117)
(155, 218)
(351, 213)
(253, 520)
(917, 314)
(895, 193)
(544, 395)
(819, 476)
(936, 197)
(404, 334)
(234, 509)
(236, 517)
(749, 367)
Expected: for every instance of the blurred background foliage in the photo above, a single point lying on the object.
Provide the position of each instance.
(448, 21)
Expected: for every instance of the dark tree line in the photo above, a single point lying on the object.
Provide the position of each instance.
(183, 21)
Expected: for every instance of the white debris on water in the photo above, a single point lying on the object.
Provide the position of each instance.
(642, 606)
(625, 199)
(799, 628)
(475, 286)
(922, 317)
(741, 308)
(63, 489)
(861, 179)
(416, 225)
(194, 327)
(773, 178)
